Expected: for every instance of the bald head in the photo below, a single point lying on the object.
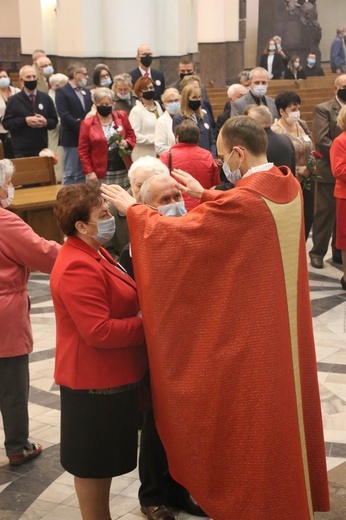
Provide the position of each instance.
(262, 115)
(340, 87)
(235, 92)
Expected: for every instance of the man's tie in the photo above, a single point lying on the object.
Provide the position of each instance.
(146, 74)
(32, 99)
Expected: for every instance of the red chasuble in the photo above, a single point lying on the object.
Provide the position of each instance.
(225, 300)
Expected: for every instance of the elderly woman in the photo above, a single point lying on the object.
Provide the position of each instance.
(105, 141)
(100, 350)
(164, 136)
(21, 250)
(191, 101)
(143, 118)
(56, 81)
(338, 166)
(290, 124)
(123, 95)
(6, 91)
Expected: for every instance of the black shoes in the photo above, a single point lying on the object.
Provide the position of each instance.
(157, 513)
(343, 283)
(316, 262)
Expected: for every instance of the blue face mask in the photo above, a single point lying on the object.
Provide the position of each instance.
(311, 61)
(4, 82)
(105, 82)
(48, 71)
(105, 230)
(173, 108)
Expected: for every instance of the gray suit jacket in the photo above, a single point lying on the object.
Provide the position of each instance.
(325, 130)
(240, 105)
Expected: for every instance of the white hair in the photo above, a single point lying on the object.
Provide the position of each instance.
(6, 170)
(148, 164)
(56, 79)
(146, 194)
(231, 91)
(101, 92)
(262, 115)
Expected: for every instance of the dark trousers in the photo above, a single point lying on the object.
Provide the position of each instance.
(14, 395)
(308, 197)
(324, 221)
(157, 486)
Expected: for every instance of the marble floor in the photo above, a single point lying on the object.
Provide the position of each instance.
(42, 490)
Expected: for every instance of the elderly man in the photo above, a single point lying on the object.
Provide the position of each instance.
(337, 52)
(234, 92)
(29, 115)
(123, 95)
(280, 149)
(45, 70)
(325, 130)
(256, 95)
(73, 102)
(145, 58)
(205, 326)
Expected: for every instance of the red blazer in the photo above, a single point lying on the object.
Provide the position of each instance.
(100, 338)
(92, 145)
(198, 162)
(338, 165)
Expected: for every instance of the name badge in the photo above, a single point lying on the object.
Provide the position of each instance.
(83, 92)
(306, 138)
(206, 126)
(40, 106)
(158, 82)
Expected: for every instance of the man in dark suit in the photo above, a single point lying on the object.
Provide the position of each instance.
(256, 95)
(145, 58)
(325, 130)
(280, 149)
(186, 67)
(29, 115)
(73, 102)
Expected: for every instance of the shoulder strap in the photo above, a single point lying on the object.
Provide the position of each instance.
(304, 127)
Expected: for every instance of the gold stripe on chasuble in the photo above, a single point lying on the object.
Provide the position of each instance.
(288, 230)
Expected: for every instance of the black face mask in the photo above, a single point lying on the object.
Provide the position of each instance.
(149, 94)
(182, 75)
(342, 94)
(146, 61)
(194, 104)
(104, 111)
(30, 85)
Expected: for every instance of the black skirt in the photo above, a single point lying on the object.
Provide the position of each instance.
(98, 432)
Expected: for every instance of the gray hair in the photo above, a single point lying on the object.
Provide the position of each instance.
(262, 115)
(146, 194)
(257, 69)
(168, 92)
(123, 78)
(148, 164)
(102, 92)
(56, 79)
(6, 170)
(231, 91)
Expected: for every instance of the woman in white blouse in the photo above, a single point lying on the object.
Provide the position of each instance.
(164, 136)
(143, 118)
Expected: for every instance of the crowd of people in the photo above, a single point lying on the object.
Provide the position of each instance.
(126, 345)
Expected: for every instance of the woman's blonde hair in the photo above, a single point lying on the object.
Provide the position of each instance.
(341, 119)
(187, 92)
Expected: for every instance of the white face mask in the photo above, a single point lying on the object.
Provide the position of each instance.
(259, 90)
(10, 196)
(105, 230)
(231, 176)
(4, 82)
(124, 97)
(175, 209)
(105, 82)
(48, 71)
(82, 82)
(293, 117)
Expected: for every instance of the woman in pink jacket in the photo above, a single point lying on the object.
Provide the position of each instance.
(338, 165)
(20, 251)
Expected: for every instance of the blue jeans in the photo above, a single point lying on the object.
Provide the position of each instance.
(72, 167)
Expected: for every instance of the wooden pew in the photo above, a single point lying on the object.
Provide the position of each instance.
(34, 204)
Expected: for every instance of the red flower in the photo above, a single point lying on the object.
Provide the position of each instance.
(317, 154)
